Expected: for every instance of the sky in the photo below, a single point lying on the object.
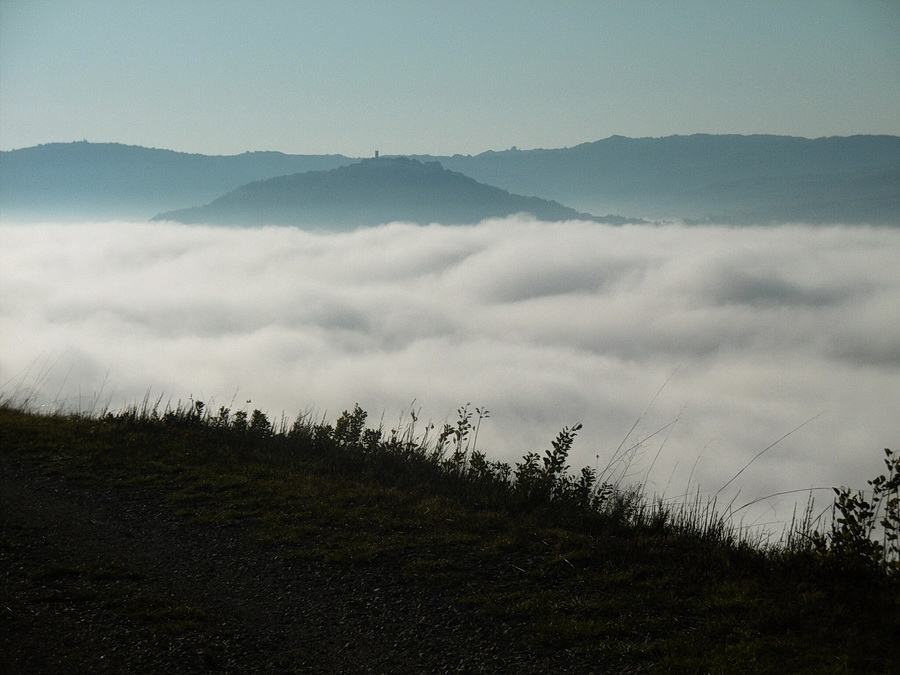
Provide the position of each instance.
(423, 76)
(692, 348)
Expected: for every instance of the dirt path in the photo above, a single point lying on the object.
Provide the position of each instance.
(107, 579)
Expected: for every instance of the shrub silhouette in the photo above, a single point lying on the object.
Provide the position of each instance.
(851, 540)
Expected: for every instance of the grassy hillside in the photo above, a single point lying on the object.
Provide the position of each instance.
(588, 571)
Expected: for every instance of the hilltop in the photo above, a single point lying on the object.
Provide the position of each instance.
(179, 540)
(371, 192)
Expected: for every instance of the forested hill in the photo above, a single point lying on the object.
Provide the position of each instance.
(725, 178)
(370, 192)
(77, 181)
(721, 178)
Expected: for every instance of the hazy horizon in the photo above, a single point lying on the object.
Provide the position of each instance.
(369, 154)
(738, 335)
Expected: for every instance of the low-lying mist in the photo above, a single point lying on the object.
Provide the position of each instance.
(736, 335)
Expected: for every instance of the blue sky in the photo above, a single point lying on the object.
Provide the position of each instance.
(436, 77)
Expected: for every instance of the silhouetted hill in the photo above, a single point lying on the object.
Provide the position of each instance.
(370, 192)
(729, 178)
(722, 178)
(75, 181)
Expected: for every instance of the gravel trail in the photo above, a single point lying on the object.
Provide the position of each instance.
(82, 567)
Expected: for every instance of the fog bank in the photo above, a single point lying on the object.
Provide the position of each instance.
(744, 334)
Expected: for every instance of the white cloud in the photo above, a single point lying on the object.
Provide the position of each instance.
(544, 324)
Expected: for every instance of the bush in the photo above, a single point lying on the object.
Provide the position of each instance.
(852, 541)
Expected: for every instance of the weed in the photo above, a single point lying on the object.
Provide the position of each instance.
(349, 427)
(851, 540)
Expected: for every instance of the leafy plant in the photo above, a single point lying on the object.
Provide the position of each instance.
(546, 479)
(852, 539)
(349, 427)
(458, 439)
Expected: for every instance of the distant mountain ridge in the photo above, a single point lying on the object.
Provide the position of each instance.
(719, 178)
(727, 178)
(370, 192)
(75, 181)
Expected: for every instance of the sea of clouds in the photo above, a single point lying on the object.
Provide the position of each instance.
(700, 346)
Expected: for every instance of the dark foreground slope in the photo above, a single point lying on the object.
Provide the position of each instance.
(109, 576)
(370, 192)
(175, 543)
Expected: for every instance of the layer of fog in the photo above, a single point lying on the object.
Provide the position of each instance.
(744, 334)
